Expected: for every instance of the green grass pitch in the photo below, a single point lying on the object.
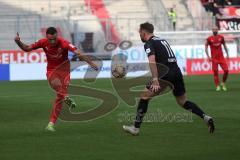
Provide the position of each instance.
(25, 108)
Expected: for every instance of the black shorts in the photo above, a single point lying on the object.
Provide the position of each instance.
(172, 80)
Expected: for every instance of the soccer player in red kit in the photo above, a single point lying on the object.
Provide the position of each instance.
(58, 67)
(215, 42)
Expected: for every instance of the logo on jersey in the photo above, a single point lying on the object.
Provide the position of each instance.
(148, 50)
(60, 50)
(54, 55)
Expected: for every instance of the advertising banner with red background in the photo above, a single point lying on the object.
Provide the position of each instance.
(230, 11)
(18, 56)
(230, 19)
(203, 66)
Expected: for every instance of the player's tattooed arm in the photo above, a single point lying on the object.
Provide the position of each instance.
(23, 46)
(86, 59)
(206, 50)
(153, 68)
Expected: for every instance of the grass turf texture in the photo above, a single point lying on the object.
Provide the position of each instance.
(25, 109)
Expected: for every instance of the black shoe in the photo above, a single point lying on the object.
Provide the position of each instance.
(210, 123)
(70, 102)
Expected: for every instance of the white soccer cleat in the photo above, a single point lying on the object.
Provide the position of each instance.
(224, 88)
(218, 88)
(131, 129)
(50, 127)
(210, 123)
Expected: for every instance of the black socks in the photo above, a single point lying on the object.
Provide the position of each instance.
(143, 106)
(192, 107)
(141, 110)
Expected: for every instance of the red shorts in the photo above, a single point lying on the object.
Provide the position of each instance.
(59, 79)
(221, 62)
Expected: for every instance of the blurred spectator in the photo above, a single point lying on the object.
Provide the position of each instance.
(204, 2)
(223, 3)
(205, 5)
(235, 2)
(173, 17)
(212, 6)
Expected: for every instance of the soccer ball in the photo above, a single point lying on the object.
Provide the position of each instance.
(118, 71)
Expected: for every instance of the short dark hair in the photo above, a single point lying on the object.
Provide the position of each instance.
(51, 30)
(147, 27)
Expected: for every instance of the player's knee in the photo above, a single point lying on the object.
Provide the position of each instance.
(181, 100)
(55, 84)
(215, 72)
(181, 103)
(145, 97)
(226, 71)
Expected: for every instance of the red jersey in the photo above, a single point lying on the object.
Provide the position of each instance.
(56, 54)
(215, 43)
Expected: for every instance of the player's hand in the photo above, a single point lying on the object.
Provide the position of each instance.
(17, 38)
(155, 87)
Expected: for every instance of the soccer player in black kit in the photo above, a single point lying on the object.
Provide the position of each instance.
(160, 52)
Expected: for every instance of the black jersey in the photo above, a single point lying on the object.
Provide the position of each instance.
(162, 51)
(164, 55)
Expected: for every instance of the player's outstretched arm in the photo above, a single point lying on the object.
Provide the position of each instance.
(86, 59)
(23, 46)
